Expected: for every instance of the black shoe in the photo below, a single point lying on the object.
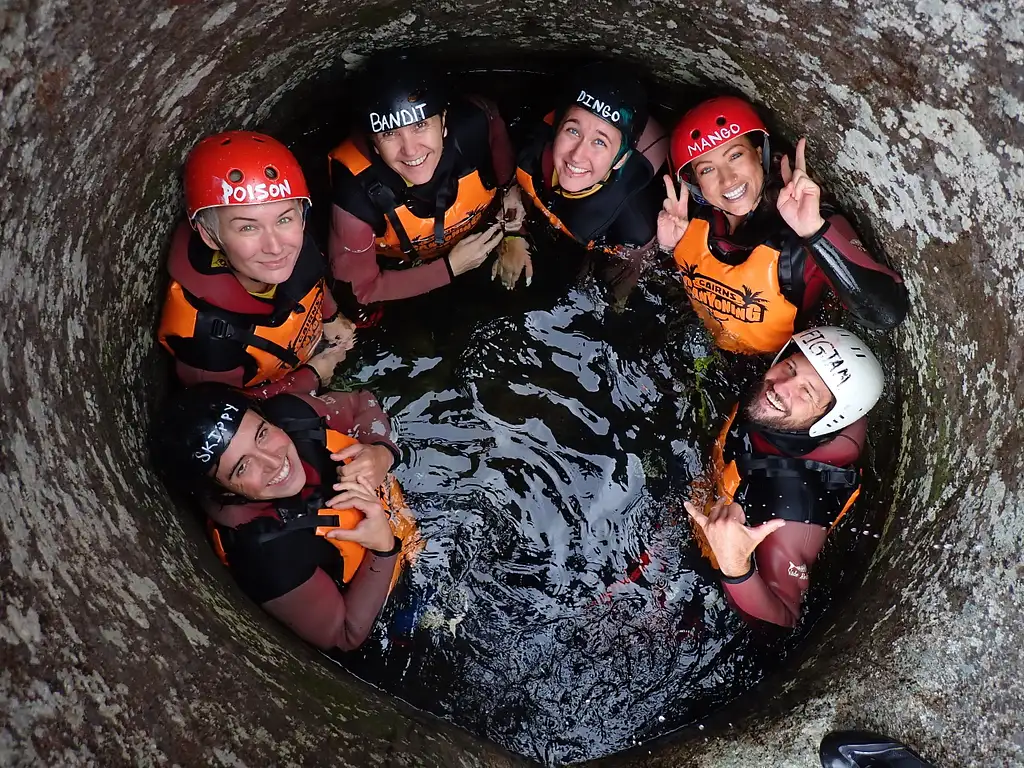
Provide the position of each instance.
(861, 749)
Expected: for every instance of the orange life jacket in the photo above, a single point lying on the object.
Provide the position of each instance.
(277, 341)
(743, 305)
(472, 202)
(794, 489)
(391, 498)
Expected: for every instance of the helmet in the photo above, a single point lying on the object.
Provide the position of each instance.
(849, 369)
(195, 429)
(711, 123)
(398, 93)
(611, 94)
(241, 168)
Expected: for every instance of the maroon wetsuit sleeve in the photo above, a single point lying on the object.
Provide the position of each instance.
(330, 307)
(874, 293)
(774, 591)
(354, 261)
(503, 156)
(321, 615)
(302, 380)
(358, 414)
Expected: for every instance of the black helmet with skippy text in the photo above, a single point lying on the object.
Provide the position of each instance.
(397, 92)
(612, 94)
(193, 431)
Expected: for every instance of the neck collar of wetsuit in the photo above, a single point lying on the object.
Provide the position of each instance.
(789, 442)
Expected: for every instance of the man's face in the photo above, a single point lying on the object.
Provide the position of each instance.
(792, 396)
(261, 242)
(260, 462)
(584, 149)
(413, 151)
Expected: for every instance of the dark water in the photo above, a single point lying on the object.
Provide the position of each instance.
(560, 606)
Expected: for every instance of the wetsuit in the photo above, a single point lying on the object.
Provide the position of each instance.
(218, 331)
(619, 215)
(366, 247)
(794, 477)
(298, 577)
(755, 287)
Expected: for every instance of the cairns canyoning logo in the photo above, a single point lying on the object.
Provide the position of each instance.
(747, 305)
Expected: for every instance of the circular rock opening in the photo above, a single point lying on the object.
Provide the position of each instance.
(124, 645)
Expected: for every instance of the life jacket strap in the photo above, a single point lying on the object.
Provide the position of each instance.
(383, 197)
(301, 523)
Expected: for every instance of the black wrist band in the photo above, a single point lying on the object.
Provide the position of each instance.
(740, 579)
(448, 266)
(333, 317)
(395, 549)
(819, 234)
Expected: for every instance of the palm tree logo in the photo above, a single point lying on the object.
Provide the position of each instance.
(753, 305)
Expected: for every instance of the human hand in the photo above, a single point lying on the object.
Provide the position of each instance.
(673, 218)
(800, 200)
(374, 530)
(341, 331)
(369, 462)
(513, 208)
(513, 259)
(729, 537)
(472, 250)
(325, 361)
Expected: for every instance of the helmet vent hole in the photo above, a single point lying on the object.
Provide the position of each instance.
(258, 140)
(694, 134)
(721, 120)
(225, 142)
(235, 175)
(270, 172)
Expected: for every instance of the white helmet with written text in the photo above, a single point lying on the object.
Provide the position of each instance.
(849, 369)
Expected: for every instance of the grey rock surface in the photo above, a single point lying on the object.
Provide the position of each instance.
(121, 640)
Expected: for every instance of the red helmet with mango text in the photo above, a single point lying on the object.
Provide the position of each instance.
(241, 168)
(710, 124)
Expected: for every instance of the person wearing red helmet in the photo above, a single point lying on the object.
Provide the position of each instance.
(760, 249)
(418, 187)
(588, 170)
(247, 304)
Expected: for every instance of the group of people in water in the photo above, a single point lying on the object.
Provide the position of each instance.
(297, 480)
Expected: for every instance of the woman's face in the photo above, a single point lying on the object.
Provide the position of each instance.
(414, 151)
(731, 177)
(260, 462)
(584, 149)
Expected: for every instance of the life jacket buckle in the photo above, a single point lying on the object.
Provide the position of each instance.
(219, 329)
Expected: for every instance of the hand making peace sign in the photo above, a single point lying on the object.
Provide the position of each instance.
(800, 200)
(673, 219)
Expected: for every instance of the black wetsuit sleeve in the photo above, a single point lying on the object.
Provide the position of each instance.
(348, 194)
(874, 294)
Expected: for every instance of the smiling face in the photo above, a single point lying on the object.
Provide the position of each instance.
(413, 151)
(792, 396)
(261, 242)
(584, 149)
(260, 462)
(731, 177)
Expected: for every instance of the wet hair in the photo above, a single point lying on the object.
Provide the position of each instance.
(210, 221)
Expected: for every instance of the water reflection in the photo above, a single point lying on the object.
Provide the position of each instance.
(559, 606)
